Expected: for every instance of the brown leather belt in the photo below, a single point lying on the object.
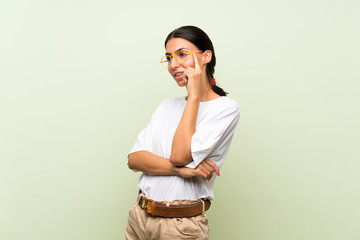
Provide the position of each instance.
(158, 209)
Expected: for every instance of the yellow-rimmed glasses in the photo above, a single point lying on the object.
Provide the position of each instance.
(180, 57)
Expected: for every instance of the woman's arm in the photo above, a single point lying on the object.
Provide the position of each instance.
(181, 145)
(152, 164)
(205, 170)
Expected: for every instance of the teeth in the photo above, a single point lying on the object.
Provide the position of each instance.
(177, 74)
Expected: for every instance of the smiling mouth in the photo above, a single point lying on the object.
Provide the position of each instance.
(178, 74)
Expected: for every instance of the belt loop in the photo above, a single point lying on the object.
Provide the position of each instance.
(138, 197)
(203, 203)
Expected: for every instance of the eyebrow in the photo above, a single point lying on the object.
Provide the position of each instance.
(180, 49)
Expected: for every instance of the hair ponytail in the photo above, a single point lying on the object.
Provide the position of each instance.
(218, 90)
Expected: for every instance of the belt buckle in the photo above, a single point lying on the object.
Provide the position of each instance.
(149, 207)
(142, 202)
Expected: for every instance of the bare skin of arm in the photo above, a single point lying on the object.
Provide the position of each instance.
(181, 145)
(152, 164)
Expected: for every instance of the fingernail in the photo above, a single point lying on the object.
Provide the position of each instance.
(219, 174)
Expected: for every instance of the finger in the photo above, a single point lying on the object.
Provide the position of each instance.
(213, 165)
(185, 77)
(206, 170)
(204, 175)
(209, 167)
(201, 173)
(210, 176)
(197, 66)
(188, 74)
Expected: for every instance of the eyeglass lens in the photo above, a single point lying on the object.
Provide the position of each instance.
(180, 57)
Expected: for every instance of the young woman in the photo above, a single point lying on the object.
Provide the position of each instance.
(183, 147)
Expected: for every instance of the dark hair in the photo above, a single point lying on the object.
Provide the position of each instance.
(202, 41)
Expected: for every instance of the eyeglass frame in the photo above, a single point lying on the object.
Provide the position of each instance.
(171, 56)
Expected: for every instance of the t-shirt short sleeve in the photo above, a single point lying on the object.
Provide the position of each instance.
(210, 136)
(143, 141)
(145, 137)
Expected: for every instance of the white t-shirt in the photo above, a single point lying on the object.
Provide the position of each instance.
(215, 126)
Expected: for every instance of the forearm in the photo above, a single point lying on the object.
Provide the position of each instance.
(151, 164)
(181, 145)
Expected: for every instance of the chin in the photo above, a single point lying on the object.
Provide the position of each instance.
(181, 83)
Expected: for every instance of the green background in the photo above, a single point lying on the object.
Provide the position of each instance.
(79, 80)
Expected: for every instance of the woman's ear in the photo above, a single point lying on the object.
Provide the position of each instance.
(207, 56)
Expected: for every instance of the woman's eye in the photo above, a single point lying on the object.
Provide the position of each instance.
(168, 58)
(181, 55)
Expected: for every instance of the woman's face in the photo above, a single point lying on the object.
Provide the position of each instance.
(176, 69)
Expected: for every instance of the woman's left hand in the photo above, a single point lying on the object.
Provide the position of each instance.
(205, 170)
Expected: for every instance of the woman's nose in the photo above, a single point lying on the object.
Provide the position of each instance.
(173, 63)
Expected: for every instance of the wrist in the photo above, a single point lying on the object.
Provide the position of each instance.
(177, 171)
(193, 98)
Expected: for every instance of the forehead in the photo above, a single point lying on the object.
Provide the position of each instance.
(175, 44)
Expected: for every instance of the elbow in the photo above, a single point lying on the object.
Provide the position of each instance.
(131, 163)
(179, 161)
(176, 162)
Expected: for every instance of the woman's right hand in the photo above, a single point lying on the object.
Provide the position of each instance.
(205, 170)
(192, 78)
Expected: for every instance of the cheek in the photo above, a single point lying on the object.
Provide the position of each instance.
(190, 63)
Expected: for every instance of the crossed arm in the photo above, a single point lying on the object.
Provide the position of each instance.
(152, 164)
